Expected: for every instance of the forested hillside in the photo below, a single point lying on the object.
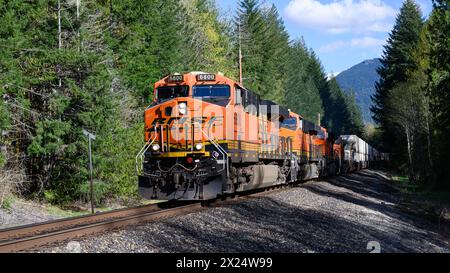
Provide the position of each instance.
(360, 80)
(64, 68)
(411, 103)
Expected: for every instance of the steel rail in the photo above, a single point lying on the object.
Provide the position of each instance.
(33, 229)
(46, 235)
(37, 235)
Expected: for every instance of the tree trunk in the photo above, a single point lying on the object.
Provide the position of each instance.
(430, 158)
(411, 168)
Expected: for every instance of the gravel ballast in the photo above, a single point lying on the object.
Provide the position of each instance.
(343, 214)
(24, 213)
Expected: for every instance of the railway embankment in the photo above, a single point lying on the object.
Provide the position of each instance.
(359, 212)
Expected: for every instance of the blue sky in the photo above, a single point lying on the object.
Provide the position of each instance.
(342, 32)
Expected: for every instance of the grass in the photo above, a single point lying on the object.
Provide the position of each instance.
(66, 213)
(58, 211)
(61, 213)
(404, 185)
(7, 203)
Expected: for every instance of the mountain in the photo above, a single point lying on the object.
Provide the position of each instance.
(361, 80)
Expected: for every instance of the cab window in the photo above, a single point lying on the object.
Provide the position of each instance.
(321, 135)
(212, 91)
(215, 94)
(171, 92)
(289, 123)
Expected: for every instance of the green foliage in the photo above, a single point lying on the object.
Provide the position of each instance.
(353, 122)
(100, 192)
(7, 203)
(288, 73)
(118, 149)
(396, 63)
(439, 83)
(147, 41)
(2, 160)
(101, 78)
(275, 56)
(207, 45)
(411, 103)
(250, 36)
(302, 95)
(4, 115)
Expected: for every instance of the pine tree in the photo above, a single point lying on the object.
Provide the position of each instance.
(275, 56)
(396, 61)
(344, 115)
(207, 43)
(149, 36)
(249, 34)
(20, 50)
(97, 74)
(302, 95)
(354, 123)
(439, 83)
(338, 119)
(327, 94)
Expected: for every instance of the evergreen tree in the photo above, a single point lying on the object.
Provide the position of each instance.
(317, 74)
(302, 95)
(21, 49)
(344, 116)
(208, 46)
(148, 38)
(249, 35)
(328, 95)
(97, 74)
(396, 61)
(338, 120)
(78, 96)
(275, 50)
(354, 124)
(439, 83)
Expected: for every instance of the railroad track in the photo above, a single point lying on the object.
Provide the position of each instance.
(37, 235)
(32, 236)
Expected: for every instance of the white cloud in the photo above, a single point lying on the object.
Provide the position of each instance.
(425, 7)
(342, 16)
(365, 42)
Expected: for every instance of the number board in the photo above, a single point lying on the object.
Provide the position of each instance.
(206, 77)
(175, 78)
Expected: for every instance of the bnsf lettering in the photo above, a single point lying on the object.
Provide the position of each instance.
(181, 121)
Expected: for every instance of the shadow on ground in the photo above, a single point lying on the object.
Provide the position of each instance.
(272, 225)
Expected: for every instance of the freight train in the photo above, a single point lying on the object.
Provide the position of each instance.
(208, 136)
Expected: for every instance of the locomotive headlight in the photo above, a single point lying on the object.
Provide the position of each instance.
(156, 147)
(182, 107)
(199, 146)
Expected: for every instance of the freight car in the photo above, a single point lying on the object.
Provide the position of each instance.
(207, 136)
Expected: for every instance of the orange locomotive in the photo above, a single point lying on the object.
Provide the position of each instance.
(207, 136)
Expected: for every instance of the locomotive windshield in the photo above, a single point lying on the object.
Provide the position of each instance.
(290, 123)
(171, 92)
(212, 91)
(216, 94)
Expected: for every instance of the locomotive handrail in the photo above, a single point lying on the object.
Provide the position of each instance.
(144, 149)
(218, 147)
(140, 155)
